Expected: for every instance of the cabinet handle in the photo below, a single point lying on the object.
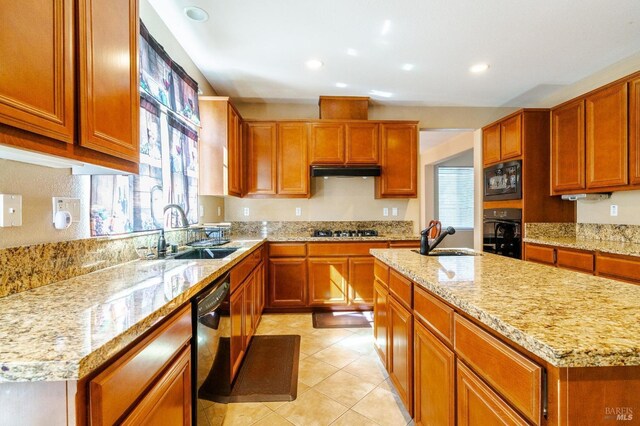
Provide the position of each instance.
(555, 256)
(545, 393)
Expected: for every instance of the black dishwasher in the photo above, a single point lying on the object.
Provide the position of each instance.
(210, 322)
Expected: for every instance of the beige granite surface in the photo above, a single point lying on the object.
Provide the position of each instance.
(306, 228)
(567, 318)
(65, 330)
(614, 247)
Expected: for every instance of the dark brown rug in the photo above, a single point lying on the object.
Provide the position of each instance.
(268, 373)
(342, 319)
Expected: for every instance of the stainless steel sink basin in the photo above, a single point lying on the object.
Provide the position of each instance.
(451, 252)
(206, 253)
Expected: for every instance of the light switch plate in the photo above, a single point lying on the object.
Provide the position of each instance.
(245, 211)
(10, 210)
(71, 205)
(298, 211)
(394, 211)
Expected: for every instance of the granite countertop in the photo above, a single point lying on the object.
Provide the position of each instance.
(568, 318)
(309, 238)
(65, 330)
(614, 247)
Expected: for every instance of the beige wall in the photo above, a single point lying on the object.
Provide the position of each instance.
(161, 33)
(332, 199)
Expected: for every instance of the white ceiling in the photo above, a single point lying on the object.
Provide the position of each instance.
(256, 49)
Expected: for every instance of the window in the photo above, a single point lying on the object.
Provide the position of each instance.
(168, 152)
(455, 196)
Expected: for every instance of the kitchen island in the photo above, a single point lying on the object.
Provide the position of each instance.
(508, 339)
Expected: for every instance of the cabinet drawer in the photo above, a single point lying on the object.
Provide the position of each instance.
(573, 259)
(540, 254)
(626, 268)
(288, 250)
(381, 272)
(405, 244)
(400, 287)
(515, 377)
(437, 315)
(114, 390)
(343, 249)
(244, 268)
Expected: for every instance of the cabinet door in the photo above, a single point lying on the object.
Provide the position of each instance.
(634, 131)
(287, 283)
(491, 144)
(235, 153)
(292, 164)
(479, 405)
(361, 280)
(400, 366)
(567, 147)
(261, 158)
(38, 97)
(399, 161)
(435, 378)
(258, 294)
(108, 77)
(540, 254)
(327, 143)
(249, 314)
(606, 123)
(169, 401)
(362, 143)
(380, 320)
(511, 137)
(328, 281)
(237, 335)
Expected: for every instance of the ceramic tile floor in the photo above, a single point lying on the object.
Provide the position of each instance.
(340, 382)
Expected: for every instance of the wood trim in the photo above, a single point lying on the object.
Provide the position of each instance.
(517, 378)
(287, 250)
(343, 249)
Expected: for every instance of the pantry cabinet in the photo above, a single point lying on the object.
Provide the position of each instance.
(399, 161)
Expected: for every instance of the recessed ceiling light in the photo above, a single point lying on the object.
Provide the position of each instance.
(408, 67)
(196, 14)
(386, 27)
(478, 68)
(314, 64)
(341, 85)
(380, 93)
(352, 52)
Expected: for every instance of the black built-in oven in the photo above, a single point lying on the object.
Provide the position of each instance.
(503, 181)
(502, 232)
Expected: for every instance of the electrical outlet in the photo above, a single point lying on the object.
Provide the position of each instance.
(71, 205)
(298, 211)
(219, 211)
(201, 210)
(245, 211)
(394, 211)
(613, 210)
(385, 211)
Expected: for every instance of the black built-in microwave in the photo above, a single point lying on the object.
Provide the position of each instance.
(503, 181)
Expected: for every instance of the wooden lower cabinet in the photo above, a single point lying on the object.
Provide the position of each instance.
(237, 339)
(400, 347)
(434, 379)
(328, 278)
(169, 401)
(287, 282)
(624, 268)
(360, 281)
(380, 320)
(479, 405)
(576, 260)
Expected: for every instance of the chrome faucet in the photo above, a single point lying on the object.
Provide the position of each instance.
(425, 247)
(162, 243)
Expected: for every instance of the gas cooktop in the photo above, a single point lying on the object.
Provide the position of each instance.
(348, 233)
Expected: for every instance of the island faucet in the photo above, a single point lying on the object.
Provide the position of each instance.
(425, 247)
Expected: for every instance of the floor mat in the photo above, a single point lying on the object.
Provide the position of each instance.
(342, 319)
(268, 373)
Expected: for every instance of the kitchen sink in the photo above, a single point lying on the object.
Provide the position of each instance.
(207, 253)
(452, 252)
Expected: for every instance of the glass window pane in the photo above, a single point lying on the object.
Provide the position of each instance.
(455, 196)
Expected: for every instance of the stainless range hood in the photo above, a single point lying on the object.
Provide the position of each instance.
(345, 171)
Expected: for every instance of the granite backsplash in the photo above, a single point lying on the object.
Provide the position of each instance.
(267, 228)
(584, 231)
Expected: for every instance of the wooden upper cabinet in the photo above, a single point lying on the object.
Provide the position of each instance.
(634, 131)
(37, 71)
(261, 158)
(399, 161)
(235, 153)
(327, 143)
(361, 143)
(292, 164)
(109, 98)
(606, 137)
(511, 137)
(568, 147)
(491, 144)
